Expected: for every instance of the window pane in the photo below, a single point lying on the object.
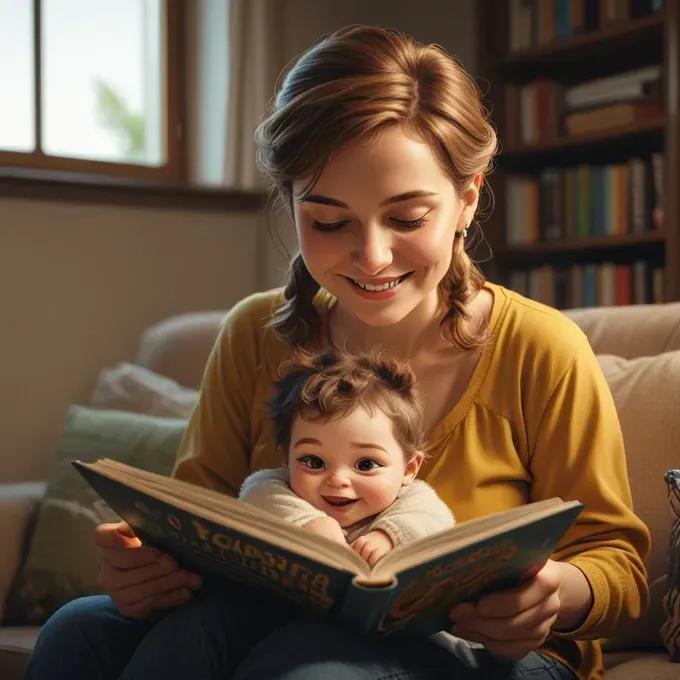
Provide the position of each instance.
(17, 108)
(102, 80)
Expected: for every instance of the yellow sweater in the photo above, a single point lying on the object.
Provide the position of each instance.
(537, 420)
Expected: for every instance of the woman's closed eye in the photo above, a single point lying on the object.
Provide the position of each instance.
(411, 224)
(401, 224)
(312, 462)
(367, 465)
(328, 226)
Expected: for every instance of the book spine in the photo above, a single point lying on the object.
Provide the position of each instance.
(363, 607)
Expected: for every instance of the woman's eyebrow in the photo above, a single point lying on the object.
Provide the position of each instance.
(327, 200)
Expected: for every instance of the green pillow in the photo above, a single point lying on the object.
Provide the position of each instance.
(61, 562)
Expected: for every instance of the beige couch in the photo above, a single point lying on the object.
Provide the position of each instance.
(642, 387)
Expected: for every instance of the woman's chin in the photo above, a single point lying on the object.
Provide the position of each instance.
(381, 315)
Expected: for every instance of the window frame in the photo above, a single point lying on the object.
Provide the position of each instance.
(173, 79)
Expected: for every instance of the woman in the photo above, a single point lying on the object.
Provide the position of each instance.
(379, 147)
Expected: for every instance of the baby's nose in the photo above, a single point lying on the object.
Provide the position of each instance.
(338, 480)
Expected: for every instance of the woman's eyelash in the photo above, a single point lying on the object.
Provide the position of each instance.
(328, 226)
(402, 224)
(412, 224)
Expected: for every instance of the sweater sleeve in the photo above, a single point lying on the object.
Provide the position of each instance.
(417, 512)
(578, 453)
(270, 491)
(215, 448)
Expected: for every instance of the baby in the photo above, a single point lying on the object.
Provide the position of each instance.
(351, 431)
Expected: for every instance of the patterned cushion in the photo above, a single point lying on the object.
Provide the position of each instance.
(670, 630)
(61, 563)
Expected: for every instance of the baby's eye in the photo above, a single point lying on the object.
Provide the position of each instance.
(312, 462)
(367, 464)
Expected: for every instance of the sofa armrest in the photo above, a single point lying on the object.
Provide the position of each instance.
(18, 504)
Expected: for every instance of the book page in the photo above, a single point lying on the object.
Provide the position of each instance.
(460, 536)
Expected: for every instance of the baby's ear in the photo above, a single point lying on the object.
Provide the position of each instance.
(413, 467)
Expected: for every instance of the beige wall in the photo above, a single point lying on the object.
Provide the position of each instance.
(449, 23)
(77, 286)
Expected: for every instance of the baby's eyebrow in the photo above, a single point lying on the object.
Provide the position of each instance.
(307, 440)
(368, 445)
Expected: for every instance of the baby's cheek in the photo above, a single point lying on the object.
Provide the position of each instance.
(303, 485)
(382, 495)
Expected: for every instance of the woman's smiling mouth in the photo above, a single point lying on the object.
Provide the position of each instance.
(378, 289)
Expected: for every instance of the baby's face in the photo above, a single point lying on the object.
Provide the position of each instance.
(351, 468)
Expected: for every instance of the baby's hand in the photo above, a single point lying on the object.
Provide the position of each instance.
(373, 545)
(326, 527)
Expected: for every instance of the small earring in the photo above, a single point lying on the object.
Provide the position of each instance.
(465, 231)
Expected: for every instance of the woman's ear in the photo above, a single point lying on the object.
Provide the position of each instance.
(413, 467)
(471, 199)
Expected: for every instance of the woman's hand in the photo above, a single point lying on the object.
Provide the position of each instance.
(513, 623)
(139, 579)
(373, 545)
(328, 528)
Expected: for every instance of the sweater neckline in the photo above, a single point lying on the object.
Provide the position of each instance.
(324, 303)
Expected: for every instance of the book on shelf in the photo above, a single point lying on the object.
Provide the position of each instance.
(410, 590)
(579, 202)
(545, 110)
(538, 23)
(602, 284)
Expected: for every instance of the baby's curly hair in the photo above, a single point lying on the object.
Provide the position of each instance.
(332, 383)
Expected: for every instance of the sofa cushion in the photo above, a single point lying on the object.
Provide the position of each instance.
(15, 646)
(630, 332)
(179, 347)
(646, 391)
(18, 503)
(61, 563)
(128, 387)
(671, 601)
(650, 666)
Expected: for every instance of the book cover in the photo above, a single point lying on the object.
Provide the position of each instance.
(422, 596)
(203, 546)
(416, 600)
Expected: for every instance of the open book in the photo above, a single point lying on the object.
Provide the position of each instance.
(412, 588)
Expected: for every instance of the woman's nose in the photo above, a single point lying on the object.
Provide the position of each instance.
(372, 251)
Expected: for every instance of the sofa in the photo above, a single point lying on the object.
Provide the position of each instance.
(639, 352)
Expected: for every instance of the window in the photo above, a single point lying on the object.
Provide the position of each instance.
(91, 86)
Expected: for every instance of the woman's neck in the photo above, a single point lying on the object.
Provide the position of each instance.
(416, 336)
(417, 332)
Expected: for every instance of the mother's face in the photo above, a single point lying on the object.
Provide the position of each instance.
(378, 228)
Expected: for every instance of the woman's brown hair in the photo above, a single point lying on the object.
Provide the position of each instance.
(350, 86)
(331, 384)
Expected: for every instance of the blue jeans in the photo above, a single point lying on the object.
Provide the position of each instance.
(228, 634)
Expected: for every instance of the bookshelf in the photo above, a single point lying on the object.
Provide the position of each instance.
(585, 96)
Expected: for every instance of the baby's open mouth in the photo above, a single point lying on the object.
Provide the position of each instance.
(339, 501)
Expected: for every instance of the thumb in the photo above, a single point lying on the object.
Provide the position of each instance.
(115, 535)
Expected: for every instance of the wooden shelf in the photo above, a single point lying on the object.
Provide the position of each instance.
(596, 138)
(541, 250)
(640, 41)
(613, 49)
(611, 146)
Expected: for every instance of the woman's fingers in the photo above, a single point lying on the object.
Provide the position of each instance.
(138, 592)
(534, 623)
(113, 578)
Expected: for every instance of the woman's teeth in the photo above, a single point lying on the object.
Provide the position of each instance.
(380, 286)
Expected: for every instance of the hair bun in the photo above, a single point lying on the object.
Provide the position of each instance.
(398, 375)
